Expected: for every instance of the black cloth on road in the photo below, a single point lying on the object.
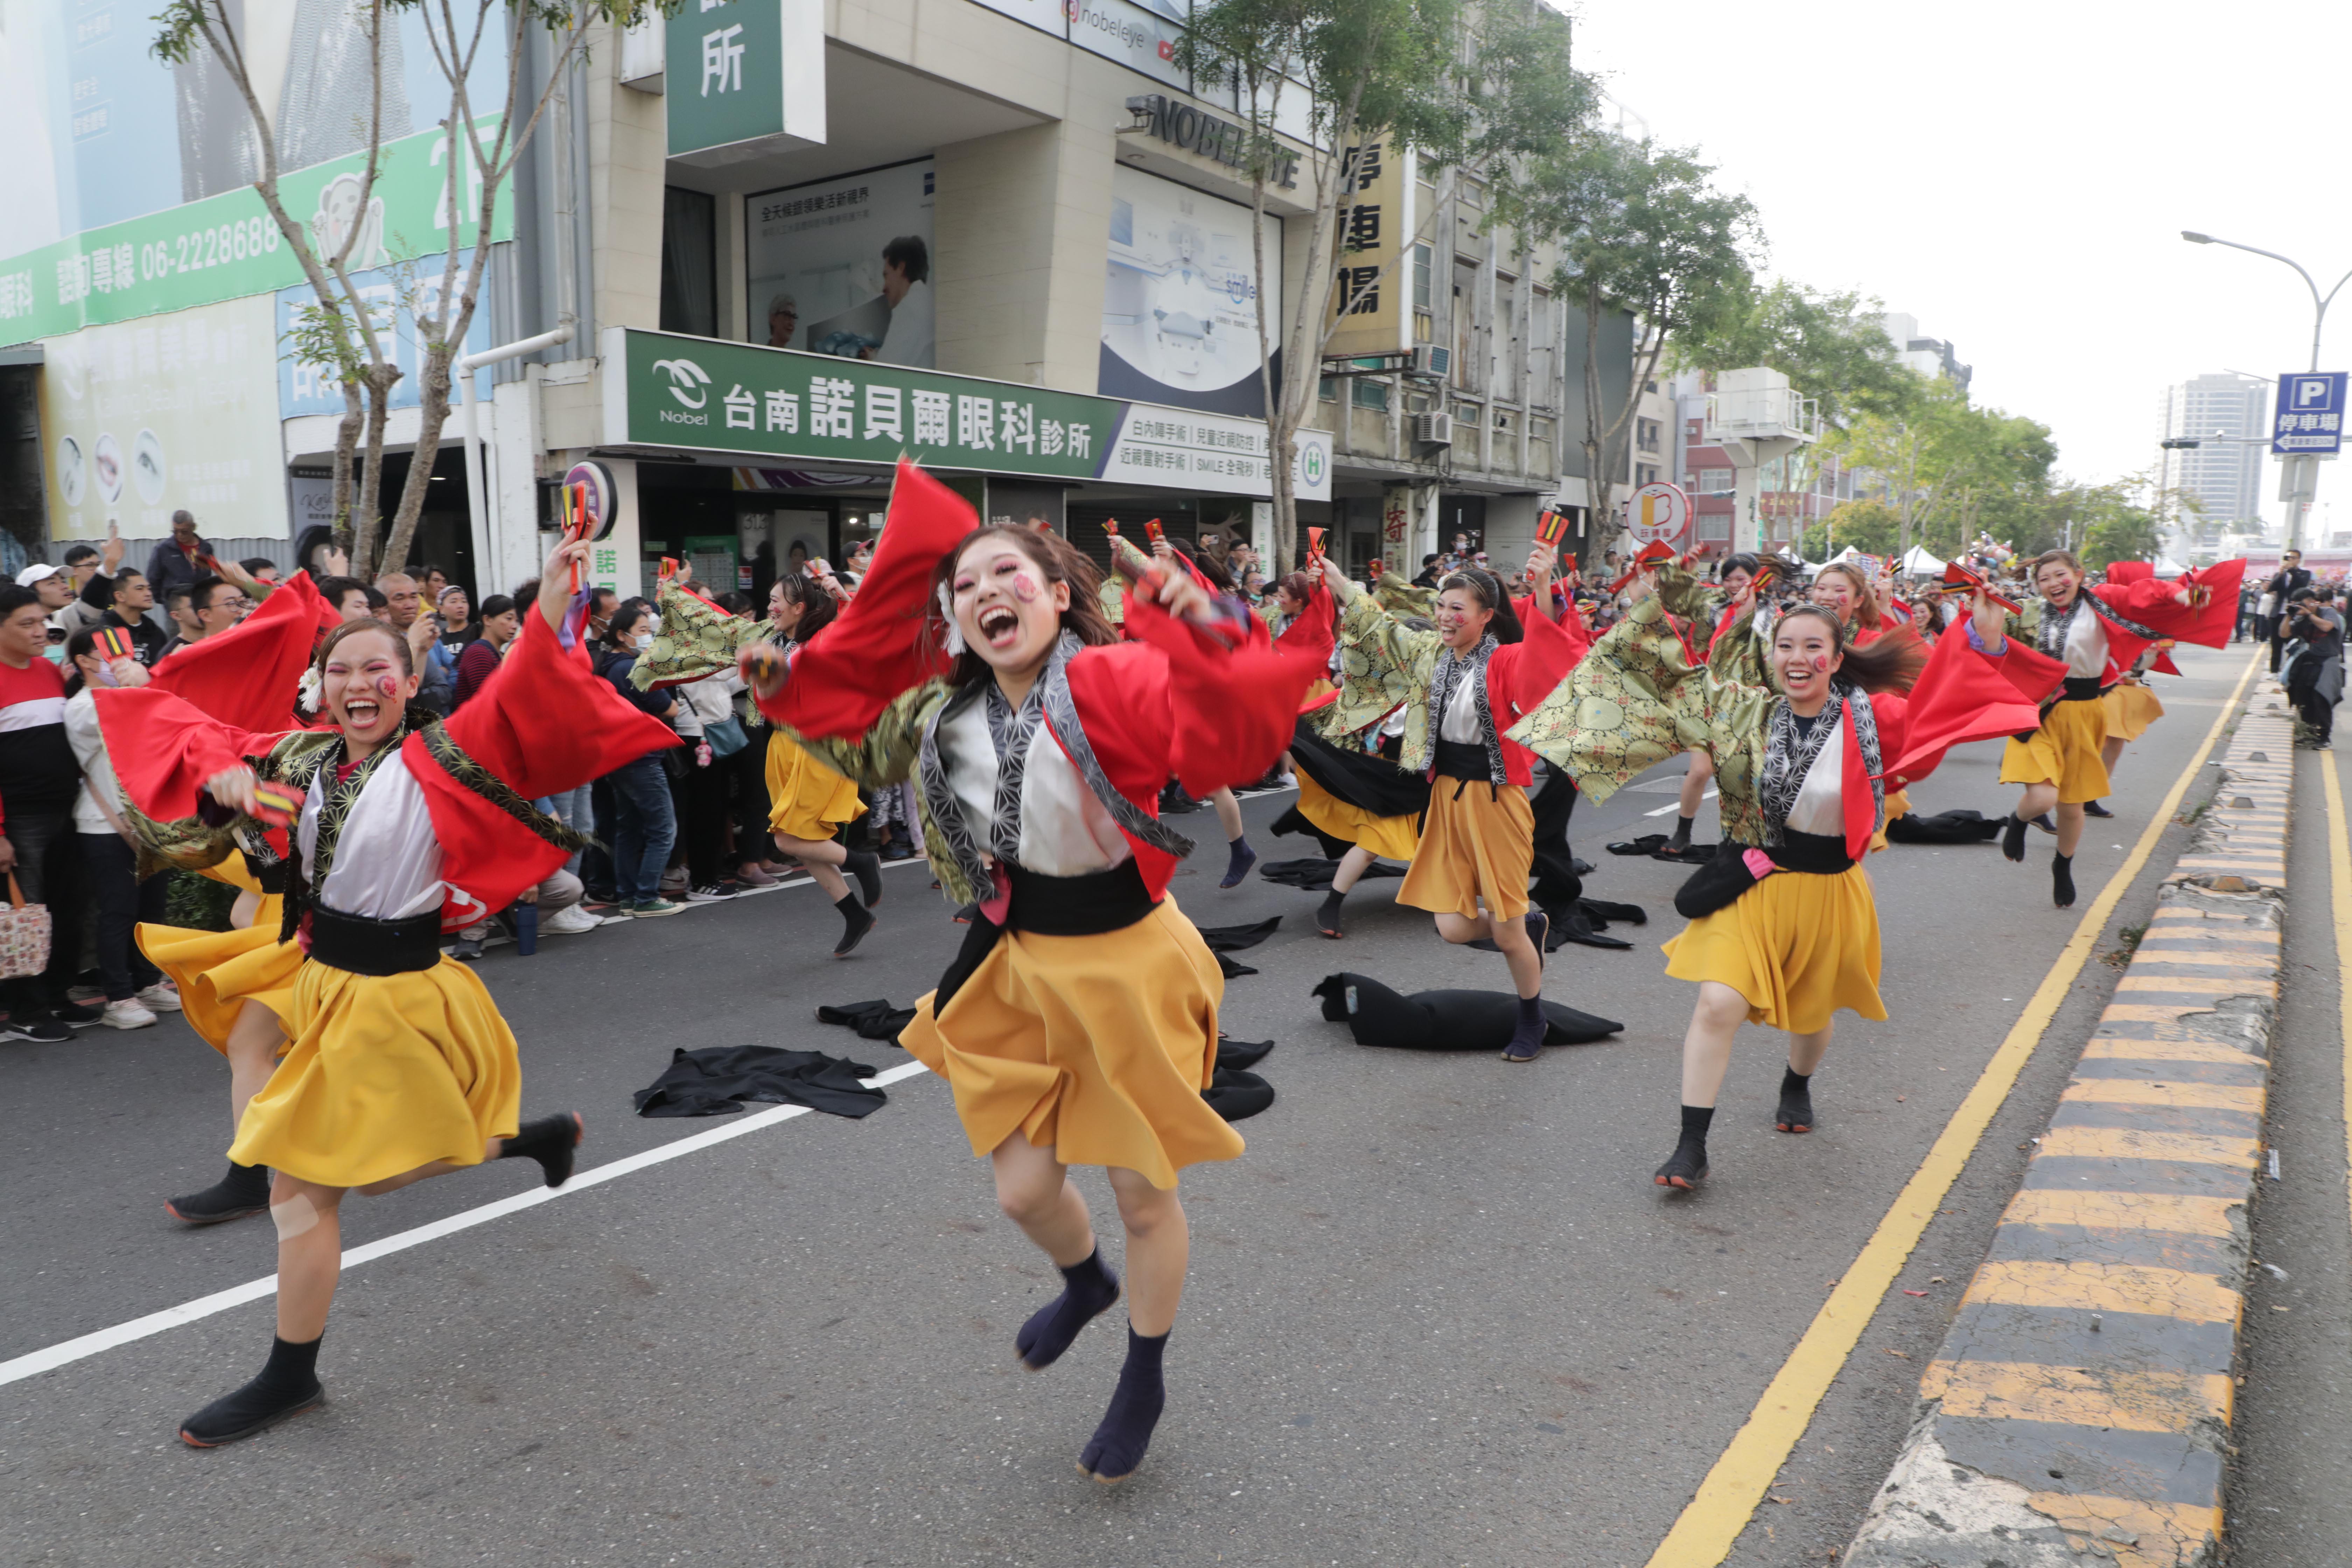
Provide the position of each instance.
(1235, 1095)
(720, 1080)
(1444, 1020)
(1944, 827)
(1233, 938)
(1315, 873)
(872, 1020)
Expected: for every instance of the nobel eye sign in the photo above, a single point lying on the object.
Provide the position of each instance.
(743, 78)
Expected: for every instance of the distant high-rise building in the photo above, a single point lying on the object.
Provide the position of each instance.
(1928, 356)
(2226, 476)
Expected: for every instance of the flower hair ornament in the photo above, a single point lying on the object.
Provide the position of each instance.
(305, 691)
(954, 639)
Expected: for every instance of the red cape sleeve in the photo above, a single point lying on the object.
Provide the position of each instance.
(1231, 712)
(848, 673)
(163, 749)
(1964, 696)
(2150, 602)
(1534, 667)
(1893, 712)
(247, 676)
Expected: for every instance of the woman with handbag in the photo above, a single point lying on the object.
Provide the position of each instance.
(404, 826)
(1078, 1023)
(1464, 684)
(1783, 924)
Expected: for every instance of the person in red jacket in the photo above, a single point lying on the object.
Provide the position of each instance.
(1468, 681)
(1078, 1026)
(400, 1066)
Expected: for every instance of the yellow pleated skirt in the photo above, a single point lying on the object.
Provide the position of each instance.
(2064, 752)
(1098, 1047)
(2130, 709)
(386, 1073)
(1477, 842)
(807, 799)
(1390, 838)
(1798, 947)
(218, 971)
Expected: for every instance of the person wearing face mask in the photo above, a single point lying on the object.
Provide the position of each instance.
(1783, 924)
(1464, 684)
(645, 827)
(1078, 1025)
(402, 825)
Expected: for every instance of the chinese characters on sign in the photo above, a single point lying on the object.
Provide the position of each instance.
(2310, 416)
(1368, 287)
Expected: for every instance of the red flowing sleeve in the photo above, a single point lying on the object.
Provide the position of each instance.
(844, 677)
(247, 676)
(1893, 712)
(1964, 696)
(164, 747)
(1532, 668)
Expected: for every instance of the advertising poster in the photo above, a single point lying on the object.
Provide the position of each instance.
(841, 267)
(1139, 38)
(1179, 307)
(142, 419)
(392, 294)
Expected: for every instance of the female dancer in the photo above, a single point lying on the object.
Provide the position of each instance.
(1733, 577)
(1465, 683)
(1784, 928)
(1079, 1024)
(401, 1068)
(2096, 633)
(809, 800)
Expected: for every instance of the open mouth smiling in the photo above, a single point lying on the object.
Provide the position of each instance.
(1000, 627)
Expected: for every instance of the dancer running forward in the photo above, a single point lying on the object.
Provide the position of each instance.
(1465, 684)
(1079, 1024)
(401, 1066)
(1783, 924)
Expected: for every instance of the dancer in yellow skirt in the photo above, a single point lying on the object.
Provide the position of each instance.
(1783, 927)
(400, 1066)
(1079, 1024)
(1464, 684)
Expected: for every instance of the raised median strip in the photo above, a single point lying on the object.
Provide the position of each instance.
(2079, 1410)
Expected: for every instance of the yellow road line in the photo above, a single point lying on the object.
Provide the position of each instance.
(1710, 1523)
(2339, 881)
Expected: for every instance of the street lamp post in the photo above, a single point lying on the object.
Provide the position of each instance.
(2299, 472)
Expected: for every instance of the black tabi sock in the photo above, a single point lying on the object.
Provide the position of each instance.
(1117, 1445)
(1796, 1101)
(1239, 859)
(2013, 838)
(1528, 1035)
(286, 1385)
(1088, 1291)
(1696, 1119)
(553, 1141)
(2061, 880)
(1687, 1163)
(855, 921)
(1326, 918)
(1682, 832)
(867, 866)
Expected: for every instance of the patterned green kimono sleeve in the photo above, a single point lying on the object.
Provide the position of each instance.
(1376, 667)
(1399, 597)
(696, 641)
(887, 753)
(1633, 701)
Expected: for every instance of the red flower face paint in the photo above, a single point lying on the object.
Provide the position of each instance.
(1026, 587)
(1820, 664)
(388, 686)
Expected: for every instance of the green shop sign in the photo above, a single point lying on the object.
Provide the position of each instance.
(226, 248)
(736, 71)
(780, 405)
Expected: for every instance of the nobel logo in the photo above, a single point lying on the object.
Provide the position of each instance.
(1197, 130)
(686, 380)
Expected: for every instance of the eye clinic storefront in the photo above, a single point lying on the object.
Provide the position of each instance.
(684, 417)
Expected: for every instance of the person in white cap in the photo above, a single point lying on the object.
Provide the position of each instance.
(55, 592)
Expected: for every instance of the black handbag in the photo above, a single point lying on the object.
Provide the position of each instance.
(1716, 885)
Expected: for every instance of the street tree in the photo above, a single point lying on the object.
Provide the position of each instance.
(1454, 85)
(484, 140)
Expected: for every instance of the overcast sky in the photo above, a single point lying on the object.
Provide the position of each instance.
(2016, 176)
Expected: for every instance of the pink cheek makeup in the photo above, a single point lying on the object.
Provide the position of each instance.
(1026, 587)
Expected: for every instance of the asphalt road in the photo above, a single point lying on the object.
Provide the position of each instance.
(1437, 1313)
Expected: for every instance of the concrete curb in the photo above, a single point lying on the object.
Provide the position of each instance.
(2078, 1412)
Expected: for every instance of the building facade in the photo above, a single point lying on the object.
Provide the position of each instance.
(2223, 475)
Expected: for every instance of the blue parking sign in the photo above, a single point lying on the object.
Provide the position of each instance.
(2310, 417)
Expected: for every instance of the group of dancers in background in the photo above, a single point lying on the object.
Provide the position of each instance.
(1037, 713)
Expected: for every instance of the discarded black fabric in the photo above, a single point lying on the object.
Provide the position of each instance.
(1241, 1055)
(1314, 874)
(720, 1080)
(1236, 1095)
(872, 1020)
(1444, 1020)
(1231, 970)
(1648, 843)
(1233, 938)
(1685, 855)
(1945, 827)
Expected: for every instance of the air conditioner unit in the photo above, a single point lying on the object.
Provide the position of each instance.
(1433, 429)
(1431, 361)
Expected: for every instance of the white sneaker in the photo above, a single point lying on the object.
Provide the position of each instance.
(476, 932)
(161, 997)
(126, 1013)
(568, 921)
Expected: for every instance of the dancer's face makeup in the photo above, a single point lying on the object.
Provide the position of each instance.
(1461, 619)
(1007, 610)
(1804, 655)
(2058, 582)
(363, 688)
(1834, 591)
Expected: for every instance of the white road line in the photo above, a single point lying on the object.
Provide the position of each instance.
(1678, 804)
(70, 1351)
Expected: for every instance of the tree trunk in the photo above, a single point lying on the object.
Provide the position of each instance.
(347, 441)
